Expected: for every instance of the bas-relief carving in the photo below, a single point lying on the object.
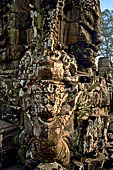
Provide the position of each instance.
(49, 83)
(78, 27)
(64, 111)
(92, 117)
(17, 34)
(53, 41)
(49, 87)
(50, 123)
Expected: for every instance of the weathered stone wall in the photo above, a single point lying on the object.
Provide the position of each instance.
(49, 86)
(9, 101)
(17, 33)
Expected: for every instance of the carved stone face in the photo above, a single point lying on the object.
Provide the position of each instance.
(50, 88)
(52, 95)
(48, 99)
(54, 99)
(81, 30)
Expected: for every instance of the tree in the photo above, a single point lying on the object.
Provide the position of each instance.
(106, 48)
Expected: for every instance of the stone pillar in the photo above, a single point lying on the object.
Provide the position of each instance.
(48, 88)
(48, 100)
(56, 96)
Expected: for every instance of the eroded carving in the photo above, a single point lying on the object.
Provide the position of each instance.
(49, 79)
(51, 88)
(17, 29)
(80, 31)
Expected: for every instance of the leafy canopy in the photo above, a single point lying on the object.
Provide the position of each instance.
(106, 48)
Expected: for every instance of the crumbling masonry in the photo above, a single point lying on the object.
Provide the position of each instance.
(55, 107)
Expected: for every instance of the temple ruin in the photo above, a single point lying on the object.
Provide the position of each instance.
(56, 109)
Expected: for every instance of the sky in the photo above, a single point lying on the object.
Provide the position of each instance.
(106, 4)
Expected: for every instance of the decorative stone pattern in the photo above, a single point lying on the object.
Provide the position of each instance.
(17, 31)
(49, 85)
(48, 100)
(54, 93)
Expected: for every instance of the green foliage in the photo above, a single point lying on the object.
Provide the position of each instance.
(106, 49)
(15, 140)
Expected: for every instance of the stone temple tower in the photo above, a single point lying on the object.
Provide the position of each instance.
(49, 88)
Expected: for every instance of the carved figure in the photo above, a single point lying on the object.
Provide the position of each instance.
(80, 30)
(48, 74)
(52, 91)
